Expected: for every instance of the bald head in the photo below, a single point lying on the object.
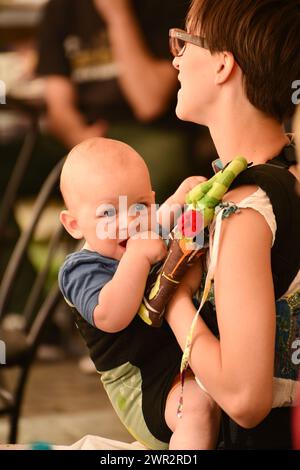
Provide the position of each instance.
(97, 161)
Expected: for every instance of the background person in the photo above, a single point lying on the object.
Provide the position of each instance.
(108, 73)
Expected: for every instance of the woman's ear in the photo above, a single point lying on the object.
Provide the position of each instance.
(70, 224)
(224, 65)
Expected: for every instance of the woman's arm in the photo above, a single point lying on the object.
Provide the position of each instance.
(237, 371)
(119, 299)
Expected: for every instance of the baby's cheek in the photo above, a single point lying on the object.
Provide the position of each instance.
(106, 229)
(148, 221)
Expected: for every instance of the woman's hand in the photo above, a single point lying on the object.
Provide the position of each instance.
(187, 287)
(192, 279)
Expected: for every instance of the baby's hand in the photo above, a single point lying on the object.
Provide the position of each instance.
(187, 185)
(148, 244)
(176, 202)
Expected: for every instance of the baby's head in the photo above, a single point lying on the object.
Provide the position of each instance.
(95, 175)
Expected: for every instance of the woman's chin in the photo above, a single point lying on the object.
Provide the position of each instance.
(180, 109)
(182, 114)
(190, 115)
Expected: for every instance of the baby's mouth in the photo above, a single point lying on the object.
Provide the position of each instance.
(123, 243)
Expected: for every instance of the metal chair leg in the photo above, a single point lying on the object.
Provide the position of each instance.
(19, 397)
(18, 173)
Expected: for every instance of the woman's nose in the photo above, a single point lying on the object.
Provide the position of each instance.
(176, 63)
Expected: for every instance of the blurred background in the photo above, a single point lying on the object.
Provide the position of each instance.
(66, 76)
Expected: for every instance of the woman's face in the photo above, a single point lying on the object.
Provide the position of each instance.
(197, 91)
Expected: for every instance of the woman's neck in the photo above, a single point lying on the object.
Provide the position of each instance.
(250, 134)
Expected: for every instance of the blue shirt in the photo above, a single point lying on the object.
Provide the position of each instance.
(82, 277)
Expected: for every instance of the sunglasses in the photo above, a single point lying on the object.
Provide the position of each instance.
(179, 38)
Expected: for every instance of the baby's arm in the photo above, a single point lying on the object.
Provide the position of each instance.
(171, 209)
(120, 298)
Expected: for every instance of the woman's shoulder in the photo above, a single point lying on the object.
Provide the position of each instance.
(269, 177)
(277, 200)
(277, 182)
(272, 178)
(271, 190)
(239, 193)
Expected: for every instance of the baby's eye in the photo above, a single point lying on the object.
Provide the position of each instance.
(108, 213)
(140, 206)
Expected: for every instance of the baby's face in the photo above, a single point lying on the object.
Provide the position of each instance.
(113, 207)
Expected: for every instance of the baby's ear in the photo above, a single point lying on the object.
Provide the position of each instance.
(70, 224)
(153, 195)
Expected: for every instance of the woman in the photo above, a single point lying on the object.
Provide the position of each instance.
(236, 68)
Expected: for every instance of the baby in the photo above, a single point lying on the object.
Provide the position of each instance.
(107, 191)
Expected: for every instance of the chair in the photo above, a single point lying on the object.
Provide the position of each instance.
(21, 346)
(23, 159)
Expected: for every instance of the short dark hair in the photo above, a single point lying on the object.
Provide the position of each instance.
(264, 37)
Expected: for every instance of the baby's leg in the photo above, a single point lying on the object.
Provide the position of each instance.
(198, 428)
